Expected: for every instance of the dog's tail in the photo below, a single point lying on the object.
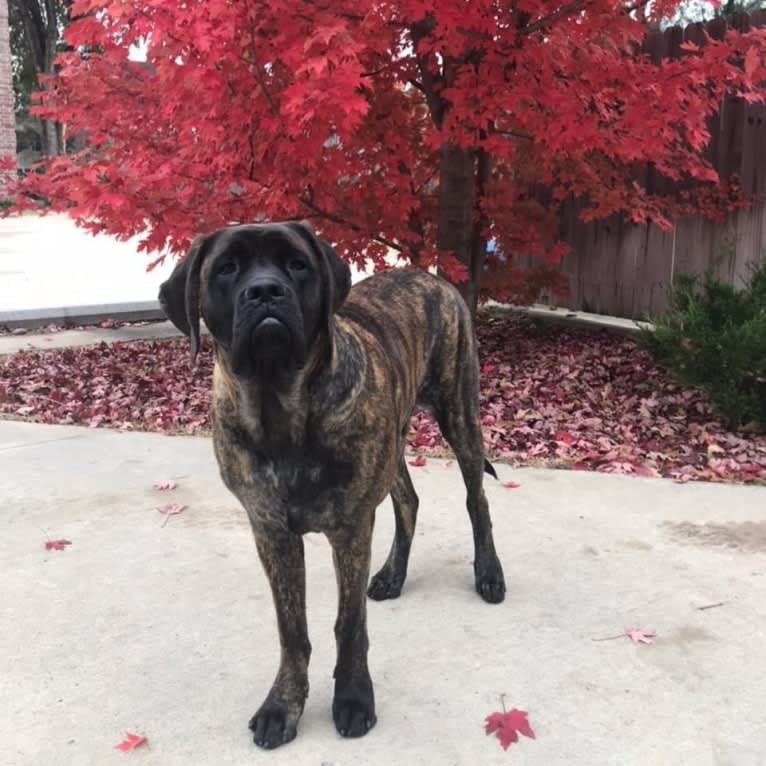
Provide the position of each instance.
(489, 468)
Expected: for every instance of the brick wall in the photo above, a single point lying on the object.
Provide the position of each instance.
(7, 118)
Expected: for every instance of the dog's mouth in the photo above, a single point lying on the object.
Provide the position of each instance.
(270, 339)
(266, 346)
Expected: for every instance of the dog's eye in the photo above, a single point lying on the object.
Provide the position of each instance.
(297, 264)
(225, 269)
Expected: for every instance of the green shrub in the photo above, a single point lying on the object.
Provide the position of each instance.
(714, 336)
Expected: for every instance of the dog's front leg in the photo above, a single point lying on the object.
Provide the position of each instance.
(276, 721)
(353, 707)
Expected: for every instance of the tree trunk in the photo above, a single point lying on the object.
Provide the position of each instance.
(455, 223)
(50, 138)
(463, 176)
(480, 226)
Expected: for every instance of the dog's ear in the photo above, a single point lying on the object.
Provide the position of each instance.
(179, 295)
(337, 271)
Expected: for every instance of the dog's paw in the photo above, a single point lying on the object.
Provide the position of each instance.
(490, 583)
(354, 712)
(271, 727)
(385, 585)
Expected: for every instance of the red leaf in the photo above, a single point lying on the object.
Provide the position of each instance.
(418, 462)
(56, 545)
(131, 742)
(511, 484)
(508, 725)
(165, 484)
(563, 436)
(639, 636)
(171, 510)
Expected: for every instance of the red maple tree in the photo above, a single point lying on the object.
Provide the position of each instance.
(416, 127)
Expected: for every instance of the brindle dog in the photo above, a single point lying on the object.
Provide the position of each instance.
(313, 388)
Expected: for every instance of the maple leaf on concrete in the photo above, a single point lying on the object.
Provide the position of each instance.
(165, 484)
(131, 742)
(171, 510)
(418, 462)
(511, 484)
(508, 725)
(639, 636)
(56, 545)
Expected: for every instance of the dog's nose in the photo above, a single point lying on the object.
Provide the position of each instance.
(265, 290)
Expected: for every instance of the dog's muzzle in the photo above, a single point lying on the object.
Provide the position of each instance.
(270, 338)
(268, 329)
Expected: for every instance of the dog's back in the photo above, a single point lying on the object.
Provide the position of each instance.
(423, 328)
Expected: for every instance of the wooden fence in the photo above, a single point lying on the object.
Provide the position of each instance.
(626, 269)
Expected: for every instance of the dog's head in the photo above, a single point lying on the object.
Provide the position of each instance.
(267, 293)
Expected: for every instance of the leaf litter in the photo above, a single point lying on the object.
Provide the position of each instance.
(549, 396)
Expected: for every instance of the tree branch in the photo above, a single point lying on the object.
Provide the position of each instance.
(326, 214)
(375, 71)
(262, 81)
(418, 32)
(565, 10)
(515, 134)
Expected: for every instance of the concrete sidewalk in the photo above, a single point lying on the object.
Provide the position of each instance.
(49, 266)
(170, 633)
(10, 344)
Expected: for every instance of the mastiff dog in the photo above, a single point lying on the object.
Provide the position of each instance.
(313, 388)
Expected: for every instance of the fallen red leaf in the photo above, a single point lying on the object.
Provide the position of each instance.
(131, 742)
(171, 510)
(418, 462)
(56, 545)
(511, 484)
(563, 436)
(165, 484)
(639, 636)
(507, 726)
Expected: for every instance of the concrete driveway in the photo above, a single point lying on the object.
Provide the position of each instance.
(169, 631)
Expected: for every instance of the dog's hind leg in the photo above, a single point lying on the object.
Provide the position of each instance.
(458, 417)
(488, 572)
(388, 582)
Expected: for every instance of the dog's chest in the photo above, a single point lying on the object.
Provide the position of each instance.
(302, 486)
(300, 479)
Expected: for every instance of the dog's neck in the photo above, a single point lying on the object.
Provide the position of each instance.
(277, 412)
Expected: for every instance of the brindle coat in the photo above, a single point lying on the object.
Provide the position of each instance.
(313, 388)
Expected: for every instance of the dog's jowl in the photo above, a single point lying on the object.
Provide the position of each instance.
(313, 389)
